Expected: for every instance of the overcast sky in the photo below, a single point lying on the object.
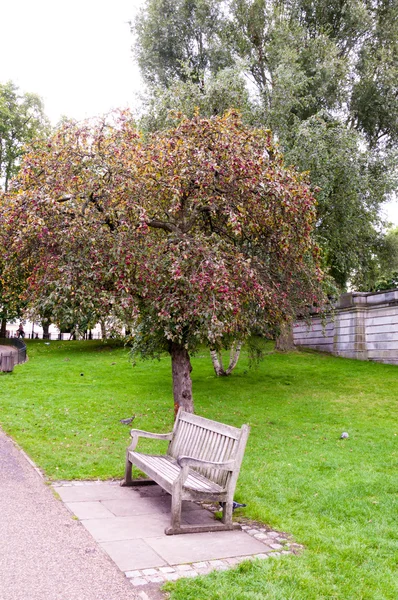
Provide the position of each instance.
(76, 55)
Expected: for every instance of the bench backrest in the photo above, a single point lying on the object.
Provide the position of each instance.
(209, 440)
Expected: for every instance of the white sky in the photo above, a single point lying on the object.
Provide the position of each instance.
(77, 56)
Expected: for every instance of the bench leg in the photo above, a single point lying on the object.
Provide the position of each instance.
(176, 527)
(127, 474)
(176, 505)
(227, 510)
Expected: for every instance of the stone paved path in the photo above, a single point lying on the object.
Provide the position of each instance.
(129, 523)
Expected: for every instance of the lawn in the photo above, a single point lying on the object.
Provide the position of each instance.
(336, 497)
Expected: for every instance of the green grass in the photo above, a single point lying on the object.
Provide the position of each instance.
(336, 497)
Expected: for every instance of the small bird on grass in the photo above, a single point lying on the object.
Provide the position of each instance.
(128, 420)
(235, 505)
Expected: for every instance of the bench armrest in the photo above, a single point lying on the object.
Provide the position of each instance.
(137, 433)
(189, 461)
(148, 434)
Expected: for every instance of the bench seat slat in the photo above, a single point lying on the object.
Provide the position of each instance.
(169, 470)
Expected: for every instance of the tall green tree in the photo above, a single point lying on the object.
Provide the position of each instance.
(219, 92)
(175, 34)
(352, 184)
(310, 55)
(384, 274)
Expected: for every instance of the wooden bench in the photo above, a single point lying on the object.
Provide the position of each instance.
(202, 463)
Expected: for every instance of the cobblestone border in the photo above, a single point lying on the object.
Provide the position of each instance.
(275, 544)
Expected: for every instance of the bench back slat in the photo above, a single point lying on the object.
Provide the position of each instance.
(208, 424)
(202, 438)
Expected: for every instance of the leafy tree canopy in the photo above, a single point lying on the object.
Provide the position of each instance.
(352, 184)
(175, 34)
(221, 91)
(190, 235)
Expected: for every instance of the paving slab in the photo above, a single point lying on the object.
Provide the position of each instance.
(151, 491)
(198, 517)
(193, 547)
(89, 510)
(127, 528)
(133, 506)
(133, 554)
(92, 492)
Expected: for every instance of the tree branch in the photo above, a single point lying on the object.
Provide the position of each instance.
(156, 224)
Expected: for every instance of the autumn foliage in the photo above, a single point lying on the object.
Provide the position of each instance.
(189, 237)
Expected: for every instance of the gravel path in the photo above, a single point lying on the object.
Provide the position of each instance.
(44, 553)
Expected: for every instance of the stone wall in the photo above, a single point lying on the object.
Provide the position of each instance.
(364, 326)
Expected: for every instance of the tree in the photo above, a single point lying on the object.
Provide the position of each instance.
(384, 274)
(11, 304)
(310, 56)
(194, 234)
(325, 73)
(179, 38)
(352, 185)
(58, 282)
(217, 94)
(374, 102)
(22, 119)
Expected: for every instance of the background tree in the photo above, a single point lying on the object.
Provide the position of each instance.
(384, 272)
(11, 290)
(22, 119)
(179, 39)
(195, 234)
(389, 254)
(219, 92)
(352, 185)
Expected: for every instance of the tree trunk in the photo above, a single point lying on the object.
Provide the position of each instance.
(46, 334)
(3, 328)
(103, 330)
(216, 358)
(285, 341)
(182, 383)
(233, 357)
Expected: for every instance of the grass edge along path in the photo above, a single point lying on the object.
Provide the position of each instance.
(337, 497)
